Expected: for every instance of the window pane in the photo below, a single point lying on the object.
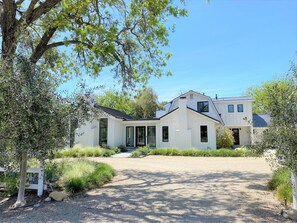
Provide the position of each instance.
(103, 132)
(230, 108)
(165, 134)
(203, 133)
(130, 136)
(202, 106)
(240, 107)
(151, 136)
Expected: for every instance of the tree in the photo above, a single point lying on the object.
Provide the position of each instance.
(117, 100)
(261, 103)
(281, 136)
(124, 35)
(146, 103)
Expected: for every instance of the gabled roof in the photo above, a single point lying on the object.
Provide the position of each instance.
(261, 120)
(205, 115)
(115, 113)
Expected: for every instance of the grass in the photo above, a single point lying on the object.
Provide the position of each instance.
(143, 151)
(79, 175)
(280, 182)
(78, 151)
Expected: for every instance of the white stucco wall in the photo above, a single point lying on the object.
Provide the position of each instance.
(85, 135)
(245, 136)
(258, 134)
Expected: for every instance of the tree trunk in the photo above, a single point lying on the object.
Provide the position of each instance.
(23, 175)
(294, 188)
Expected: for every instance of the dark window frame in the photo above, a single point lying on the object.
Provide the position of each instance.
(102, 121)
(204, 107)
(164, 138)
(203, 133)
(239, 110)
(231, 106)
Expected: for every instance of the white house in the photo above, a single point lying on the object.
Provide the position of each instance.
(189, 120)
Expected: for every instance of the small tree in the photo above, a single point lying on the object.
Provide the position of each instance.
(34, 118)
(225, 137)
(282, 135)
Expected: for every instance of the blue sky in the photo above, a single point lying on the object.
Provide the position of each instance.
(225, 46)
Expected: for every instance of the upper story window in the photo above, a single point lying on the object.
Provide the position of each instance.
(230, 108)
(202, 106)
(165, 134)
(240, 108)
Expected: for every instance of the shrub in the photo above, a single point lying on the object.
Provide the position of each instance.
(284, 193)
(81, 175)
(123, 148)
(78, 151)
(225, 137)
(10, 181)
(280, 176)
(141, 151)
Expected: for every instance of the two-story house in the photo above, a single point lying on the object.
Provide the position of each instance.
(189, 120)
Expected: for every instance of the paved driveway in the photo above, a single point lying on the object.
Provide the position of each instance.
(169, 189)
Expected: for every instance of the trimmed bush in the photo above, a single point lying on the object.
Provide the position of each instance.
(225, 137)
(123, 148)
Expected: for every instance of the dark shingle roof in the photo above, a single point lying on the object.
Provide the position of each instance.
(115, 113)
(261, 120)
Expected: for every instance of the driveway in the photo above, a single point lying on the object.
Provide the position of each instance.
(168, 189)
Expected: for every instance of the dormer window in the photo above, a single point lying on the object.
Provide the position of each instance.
(202, 106)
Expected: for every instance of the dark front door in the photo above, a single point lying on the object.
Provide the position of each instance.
(140, 136)
(236, 136)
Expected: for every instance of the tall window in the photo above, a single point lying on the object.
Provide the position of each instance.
(165, 134)
(230, 108)
(240, 108)
(203, 133)
(130, 136)
(202, 106)
(103, 132)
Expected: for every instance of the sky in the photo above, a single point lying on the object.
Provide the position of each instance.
(225, 46)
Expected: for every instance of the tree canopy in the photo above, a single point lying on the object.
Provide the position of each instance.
(123, 35)
(262, 97)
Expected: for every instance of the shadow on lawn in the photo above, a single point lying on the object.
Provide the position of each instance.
(140, 196)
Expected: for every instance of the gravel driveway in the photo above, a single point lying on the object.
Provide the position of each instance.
(168, 189)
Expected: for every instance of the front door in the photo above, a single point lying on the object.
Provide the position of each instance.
(236, 136)
(140, 136)
(151, 136)
(130, 136)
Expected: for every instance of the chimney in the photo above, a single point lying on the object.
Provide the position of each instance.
(183, 117)
(216, 96)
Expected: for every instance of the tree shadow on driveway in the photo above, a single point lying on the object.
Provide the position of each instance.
(143, 196)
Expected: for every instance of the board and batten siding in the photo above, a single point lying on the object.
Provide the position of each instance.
(235, 118)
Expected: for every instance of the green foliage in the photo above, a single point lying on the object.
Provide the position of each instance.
(78, 151)
(225, 137)
(123, 148)
(280, 176)
(262, 96)
(141, 151)
(284, 193)
(10, 181)
(146, 103)
(117, 100)
(81, 175)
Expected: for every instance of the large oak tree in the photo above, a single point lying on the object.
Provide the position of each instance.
(65, 36)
